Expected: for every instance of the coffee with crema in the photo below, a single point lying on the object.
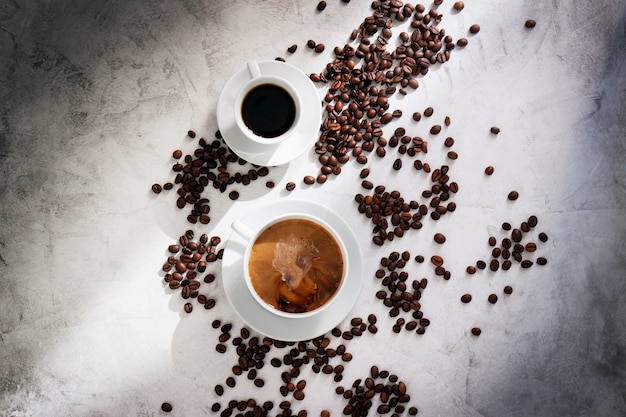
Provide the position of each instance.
(296, 265)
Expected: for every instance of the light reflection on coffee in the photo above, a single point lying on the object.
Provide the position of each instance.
(296, 265)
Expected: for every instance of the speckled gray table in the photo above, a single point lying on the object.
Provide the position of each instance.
(94, 98)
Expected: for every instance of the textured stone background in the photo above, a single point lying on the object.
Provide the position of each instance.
(95, 95)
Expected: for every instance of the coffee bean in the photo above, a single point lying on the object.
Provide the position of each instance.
(436, 260)
(292, 49)
(508, 289)
(492, 298)
(526, 263)
(166, 407)
(494, 264)
(516, 235)
(321, 5)
(543, 237)
(541, 261)
(233, 195)
(476, 331)
(290, 186)
(466, 298)
(489, 170)
(319, 48)
(397, 164)
(439, 238)
(156, 188)
(188, 308)
(494, 130)
(471, 269)
(309, 179)
(458, 5)
(434, 130)
(475, 28)
(530, 23)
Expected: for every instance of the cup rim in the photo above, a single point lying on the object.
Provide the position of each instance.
(260, 80)
(267, 306)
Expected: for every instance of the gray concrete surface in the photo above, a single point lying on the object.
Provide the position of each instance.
(94, 97)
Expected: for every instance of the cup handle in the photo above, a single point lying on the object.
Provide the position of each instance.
(242, 230)
(253, 69)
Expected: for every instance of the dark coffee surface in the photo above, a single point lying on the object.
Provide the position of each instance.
(268, 110)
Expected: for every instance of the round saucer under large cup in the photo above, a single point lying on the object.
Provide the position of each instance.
(283, 328)
(283, 152)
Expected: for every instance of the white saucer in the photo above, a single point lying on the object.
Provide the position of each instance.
(282, 328)
(288, 150)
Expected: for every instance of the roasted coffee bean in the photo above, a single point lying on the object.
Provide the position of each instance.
(439, 238)
(543, 237)
(156, 188)
(417, 116)
(506, 226)
(259, 382)
(434, 130)
(513, 195)
(516, 235)
(494, 264)
(475, 28)
(495, 130)
(458, 5)
(492, 298)
(290, 186)
(541, 261)
(230, 381)
(471, 269)
(476, 331)
(466, 298)
(530, 23)
(188, 308)
(292, 49)
(309, 179)
(436, 260)
(233, 195)
(489, 170)
(321, 5)
(508, 289)
(526, 263)
(530, 247)
(166, 407)
(397, 164)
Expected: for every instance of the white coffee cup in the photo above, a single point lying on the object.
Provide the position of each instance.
(258, 79)
(251, 234)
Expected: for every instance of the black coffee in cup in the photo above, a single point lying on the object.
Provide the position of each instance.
(268, 110)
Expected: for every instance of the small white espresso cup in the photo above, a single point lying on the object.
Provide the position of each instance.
(252, 234)
(268, 108)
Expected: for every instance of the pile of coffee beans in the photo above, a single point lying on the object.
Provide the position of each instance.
(389, 210)
(363, 75)
(381, 386)
(515, 245)
(211, 164)
(188, 260)
(400, 295)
